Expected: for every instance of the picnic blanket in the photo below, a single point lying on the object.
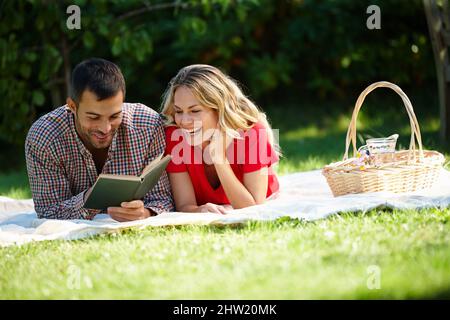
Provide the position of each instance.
(303, 195)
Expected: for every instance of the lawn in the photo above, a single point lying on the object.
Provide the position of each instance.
(378, 254)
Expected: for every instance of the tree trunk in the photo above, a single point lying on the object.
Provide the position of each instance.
(438, 18)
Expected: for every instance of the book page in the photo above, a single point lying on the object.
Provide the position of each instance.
(151, 165)
(152, 177)
(118, 177)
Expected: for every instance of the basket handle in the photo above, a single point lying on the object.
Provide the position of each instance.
(415, 129)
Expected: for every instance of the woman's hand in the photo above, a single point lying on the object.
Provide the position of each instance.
(217, 148)
(215, 208)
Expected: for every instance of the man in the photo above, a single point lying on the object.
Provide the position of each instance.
(95, 132)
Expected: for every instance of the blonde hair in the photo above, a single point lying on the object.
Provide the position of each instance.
(216, 90)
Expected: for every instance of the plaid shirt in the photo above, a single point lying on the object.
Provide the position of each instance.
(61, 169)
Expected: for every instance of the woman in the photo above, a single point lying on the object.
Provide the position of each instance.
(221, 144)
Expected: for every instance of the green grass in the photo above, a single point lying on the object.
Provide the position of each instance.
(330, 258)
(334, 258)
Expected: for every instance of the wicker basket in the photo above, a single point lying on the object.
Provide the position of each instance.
(407, 170)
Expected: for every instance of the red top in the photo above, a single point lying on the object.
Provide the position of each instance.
(246, 156)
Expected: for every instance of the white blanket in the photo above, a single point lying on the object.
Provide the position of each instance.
(303, 195)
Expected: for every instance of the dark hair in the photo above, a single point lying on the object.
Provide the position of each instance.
(100, 76)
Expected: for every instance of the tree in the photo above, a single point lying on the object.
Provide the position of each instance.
(38, 50)
(438, 18)
(276, 49)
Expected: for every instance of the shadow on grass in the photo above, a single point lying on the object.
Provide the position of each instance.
(438, 295)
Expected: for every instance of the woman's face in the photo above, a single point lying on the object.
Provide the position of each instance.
(197, 122)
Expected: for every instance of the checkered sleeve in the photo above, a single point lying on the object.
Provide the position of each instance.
(50, 188)
(159, 199)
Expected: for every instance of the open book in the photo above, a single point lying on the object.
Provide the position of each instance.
(111, 190)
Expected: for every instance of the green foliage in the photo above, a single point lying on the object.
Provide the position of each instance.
(275, 48)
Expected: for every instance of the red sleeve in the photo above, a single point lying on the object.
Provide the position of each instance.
(173, 143)
(259, 153)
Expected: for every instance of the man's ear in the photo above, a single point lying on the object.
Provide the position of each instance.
(72, 105)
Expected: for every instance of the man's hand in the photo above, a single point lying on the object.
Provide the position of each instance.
(129, 211)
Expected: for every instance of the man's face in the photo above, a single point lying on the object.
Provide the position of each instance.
(97, 121)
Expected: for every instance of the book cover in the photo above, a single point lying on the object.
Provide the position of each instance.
(111, 190)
